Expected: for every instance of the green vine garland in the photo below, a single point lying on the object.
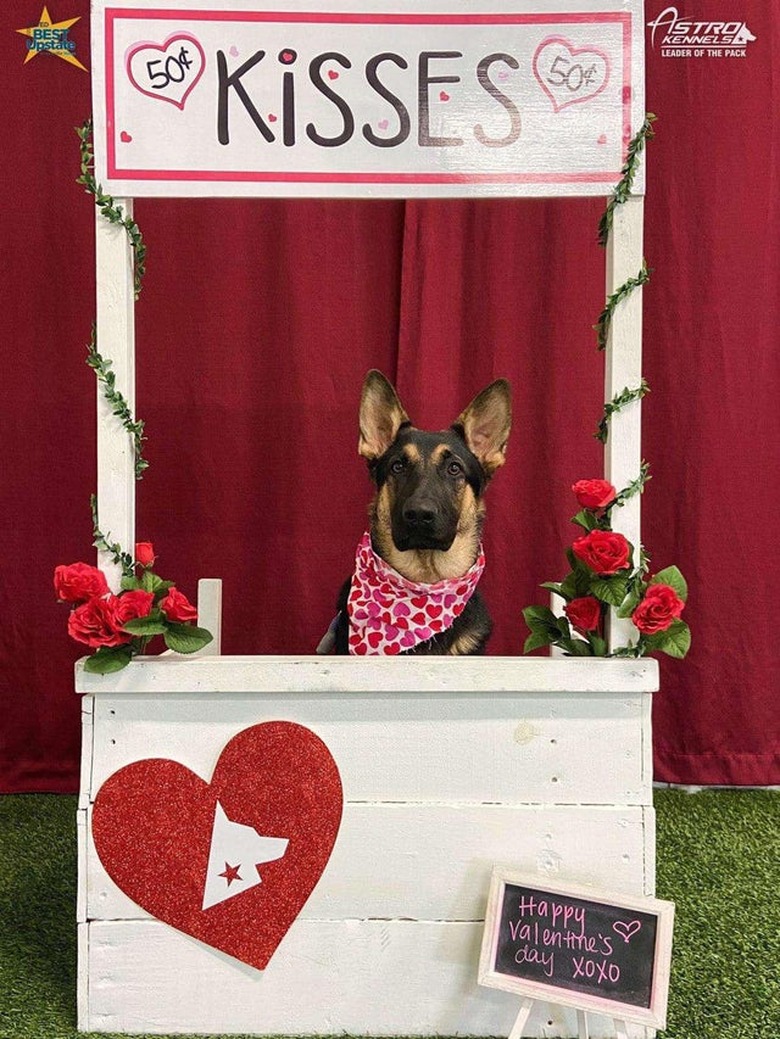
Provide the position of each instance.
(102, 366)
(622, 191)
(119, 557)
(618, 402)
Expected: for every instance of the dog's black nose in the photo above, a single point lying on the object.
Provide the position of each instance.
(420, 516)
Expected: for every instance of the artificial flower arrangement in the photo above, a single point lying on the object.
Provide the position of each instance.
(118, 627)
(604, 574)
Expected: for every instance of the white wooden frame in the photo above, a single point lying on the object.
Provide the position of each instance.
(654, 1014)
(542, 762)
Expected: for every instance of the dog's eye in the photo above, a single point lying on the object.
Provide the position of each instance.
(397, 466)
(455, 469)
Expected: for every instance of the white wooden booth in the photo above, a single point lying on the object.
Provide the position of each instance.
(448, 766)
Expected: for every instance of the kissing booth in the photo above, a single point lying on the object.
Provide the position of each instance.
(372, 797)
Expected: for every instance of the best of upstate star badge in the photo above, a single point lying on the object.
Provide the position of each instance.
(51, 38)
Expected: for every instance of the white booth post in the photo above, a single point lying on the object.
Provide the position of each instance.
(623, 369)
(448, 766)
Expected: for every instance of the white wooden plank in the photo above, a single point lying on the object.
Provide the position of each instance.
(82, 976)
(85, 768)
(433, 862)
(115, 341)
(84, 848)
(379, 674)
(565, 749)
(210, 614)
(623, 369)
(648, 829)
(362, 977)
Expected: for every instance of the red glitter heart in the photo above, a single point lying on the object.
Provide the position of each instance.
(152, 825)
(332, 74)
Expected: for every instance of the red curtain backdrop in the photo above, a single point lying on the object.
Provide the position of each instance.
(258, 321)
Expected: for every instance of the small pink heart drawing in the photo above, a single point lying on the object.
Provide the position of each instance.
(287, 57)
(125, 137)
(234, 51)
(602, 139)
(503, 74)
(383, 124)
(168, 71)
(627, 931)
(567, 74)
(443, 95)
(332, 74)
(272, 118)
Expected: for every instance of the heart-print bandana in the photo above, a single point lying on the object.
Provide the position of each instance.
(388, 614)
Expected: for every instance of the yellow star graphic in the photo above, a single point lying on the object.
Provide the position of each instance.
(47, 34)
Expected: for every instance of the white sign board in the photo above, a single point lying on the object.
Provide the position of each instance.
(399, 99)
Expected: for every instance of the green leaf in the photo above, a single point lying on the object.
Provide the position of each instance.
(108, 659)
(611, 590)
(540, 618)
(553, 586)
(131, 584)
(599, 644)
(629, 604)
(186, 638)
(586, 519)
(153, 624)
(577, 648)
(536, 640)
(150, 582)
(672, 576)
(675, 641)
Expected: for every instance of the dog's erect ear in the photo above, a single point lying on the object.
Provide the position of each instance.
(381, 416)
(485, 425)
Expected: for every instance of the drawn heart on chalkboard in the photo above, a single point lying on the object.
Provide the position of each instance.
(627, 931)
(230, 862)
(168, 72)
(570, 75)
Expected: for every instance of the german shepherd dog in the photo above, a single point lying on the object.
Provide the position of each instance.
(426, 517)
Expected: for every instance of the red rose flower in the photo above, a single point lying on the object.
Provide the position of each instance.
(658, 610)
(177, 607)
(584, 613)
(144, 553)
(594, 494)
(79, 582)
(603, 551)
(94, 623)
(129, 606)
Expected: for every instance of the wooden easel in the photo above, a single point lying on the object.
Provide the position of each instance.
(583, 1032)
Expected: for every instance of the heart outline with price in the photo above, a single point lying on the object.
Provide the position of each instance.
(574, 52)
(155, 825)
(138, 48)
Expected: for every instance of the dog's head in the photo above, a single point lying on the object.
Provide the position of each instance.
(427, 513)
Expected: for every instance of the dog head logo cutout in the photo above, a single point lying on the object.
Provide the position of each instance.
(231, 862)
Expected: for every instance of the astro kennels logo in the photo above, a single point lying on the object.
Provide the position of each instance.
(678, 37)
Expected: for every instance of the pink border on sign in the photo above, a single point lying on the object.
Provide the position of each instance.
(359, 18)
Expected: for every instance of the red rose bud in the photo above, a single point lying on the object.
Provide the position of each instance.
(594, 494)
(177, 607)
(144, 553)
(129, 606)
(79, 582)
(603, 551)
(659, 609)
(584, 613)
(94, 623)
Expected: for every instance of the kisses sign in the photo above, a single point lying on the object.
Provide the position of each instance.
(415, 98)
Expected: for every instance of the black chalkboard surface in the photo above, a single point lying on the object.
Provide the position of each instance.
(596, 951)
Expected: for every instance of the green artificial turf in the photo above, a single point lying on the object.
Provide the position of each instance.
(718, 860)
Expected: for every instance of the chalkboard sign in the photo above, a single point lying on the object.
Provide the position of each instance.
(579, 947)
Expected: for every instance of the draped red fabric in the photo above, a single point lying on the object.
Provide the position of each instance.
(258, 321)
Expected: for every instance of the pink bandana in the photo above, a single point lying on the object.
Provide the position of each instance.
(388, 614)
